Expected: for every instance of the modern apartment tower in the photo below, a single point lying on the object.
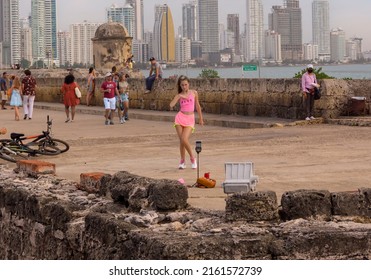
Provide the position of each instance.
(208, 18)
(10, 35)
(64, 48)
(44, 30)
(255, 30)
(164, 34)
(26, 40)
(124, 15)
(321, 28)
(81, 43)
(286, 20)
(233, 25)
(190, 21)
(337, 39)
(138, 34)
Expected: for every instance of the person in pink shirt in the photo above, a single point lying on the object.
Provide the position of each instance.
(110, 91)
(185, 119)
(308, 85)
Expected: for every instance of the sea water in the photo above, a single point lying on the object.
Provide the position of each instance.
(353, 71)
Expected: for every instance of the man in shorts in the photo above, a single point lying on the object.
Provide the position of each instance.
(3, 90)
(110, 91)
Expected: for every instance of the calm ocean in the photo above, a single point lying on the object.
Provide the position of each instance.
(354, 71)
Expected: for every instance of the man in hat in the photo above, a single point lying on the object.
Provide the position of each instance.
(110, 91)
(154, 74)
(3, 90)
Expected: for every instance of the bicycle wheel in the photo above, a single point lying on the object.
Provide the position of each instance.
(16, 147)
(9, 155)
(50, 146)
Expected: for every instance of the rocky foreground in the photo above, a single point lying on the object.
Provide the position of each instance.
(124, 216)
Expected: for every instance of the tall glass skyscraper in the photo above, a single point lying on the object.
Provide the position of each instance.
(255, 30)
(138, 19)
(164, 34)
(286, 21)
(124, 15)
(10, 36)
(44, 30)
(321, 28)
(233, 25)
(190, 21)
(208, 16)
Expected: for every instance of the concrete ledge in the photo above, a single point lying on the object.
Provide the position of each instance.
(36, 167)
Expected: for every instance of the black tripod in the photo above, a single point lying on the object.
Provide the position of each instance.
(198, 150)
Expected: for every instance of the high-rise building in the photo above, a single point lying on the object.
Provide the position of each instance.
(148, 38)
(208, 18)
(226, 38)
(310, 52)
(81, 43)
(44, 30)
(26, 40)
(138, 19)
(337, 42)
(124, 15)
(183, 50)
(358, 46)
(286, 21)
(164, 34)
(10, 35)
(255, 30)
(190, 21)
(321, 28)
(273, 47)
(233, 25)
(64, 48)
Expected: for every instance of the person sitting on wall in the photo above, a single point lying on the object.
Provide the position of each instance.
(155, 73)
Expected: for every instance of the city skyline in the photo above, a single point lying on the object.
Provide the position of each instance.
(351, 18)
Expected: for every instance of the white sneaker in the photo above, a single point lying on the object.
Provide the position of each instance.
(194, 163)
(312, 118)
(307, 119)
(182, 165)
(122, 121)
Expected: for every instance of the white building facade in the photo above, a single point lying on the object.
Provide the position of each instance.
(81, 43)
(273, 53)
(182, 50)
(255, 30)
(321, 28)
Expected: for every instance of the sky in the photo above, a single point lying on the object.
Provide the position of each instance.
(352, 17)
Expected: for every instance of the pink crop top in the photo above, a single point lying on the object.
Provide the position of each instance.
(187, 104)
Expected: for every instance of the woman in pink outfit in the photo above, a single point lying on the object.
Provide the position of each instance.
(185, 119)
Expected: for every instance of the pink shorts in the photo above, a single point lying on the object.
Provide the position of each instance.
(185, 120)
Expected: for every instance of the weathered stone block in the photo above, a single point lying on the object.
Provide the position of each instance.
(167, 195)
(253, 206)
(306, 204)
(347, 203)
(91, 182)
(35, 167)
(366, 205)
(138, 193)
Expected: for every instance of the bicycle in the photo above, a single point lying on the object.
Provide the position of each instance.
(10, 155)
(42, 144)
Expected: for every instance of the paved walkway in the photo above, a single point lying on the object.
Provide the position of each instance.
(290, 157)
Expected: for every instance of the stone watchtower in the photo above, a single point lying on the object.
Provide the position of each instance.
(112, 46)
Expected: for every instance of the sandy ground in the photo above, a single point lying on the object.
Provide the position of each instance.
(336, 158)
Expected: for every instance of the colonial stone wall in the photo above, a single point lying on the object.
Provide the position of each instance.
(247, 97)
(130, 217)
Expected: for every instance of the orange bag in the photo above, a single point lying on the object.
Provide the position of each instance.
(206, 183)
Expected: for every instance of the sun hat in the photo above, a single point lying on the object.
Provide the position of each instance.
(109, 74)
(310, 66)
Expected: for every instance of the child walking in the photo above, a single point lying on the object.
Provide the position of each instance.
(185, 119)
(16, 97)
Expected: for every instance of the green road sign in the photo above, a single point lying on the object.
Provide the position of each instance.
(249, 67)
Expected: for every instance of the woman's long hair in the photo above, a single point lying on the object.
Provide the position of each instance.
(180, 80)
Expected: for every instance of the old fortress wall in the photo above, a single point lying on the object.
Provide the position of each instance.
(280, 98)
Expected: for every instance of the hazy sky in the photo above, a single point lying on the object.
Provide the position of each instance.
(352, 17)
